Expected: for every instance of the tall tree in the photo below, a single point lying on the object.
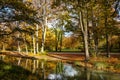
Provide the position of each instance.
(79, 9)
(43, 8)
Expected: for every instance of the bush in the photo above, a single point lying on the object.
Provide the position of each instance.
(100, 65)
(117, 66)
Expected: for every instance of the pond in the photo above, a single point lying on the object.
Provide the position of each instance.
(14, 68)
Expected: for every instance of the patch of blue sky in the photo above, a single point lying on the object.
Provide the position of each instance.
(68, 34)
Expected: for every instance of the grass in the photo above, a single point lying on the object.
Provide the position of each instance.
(102, 50)
(111, 64)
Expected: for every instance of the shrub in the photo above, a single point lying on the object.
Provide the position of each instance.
(100, 65)
(117, 66)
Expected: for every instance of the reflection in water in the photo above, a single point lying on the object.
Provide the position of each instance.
(87, 72)
(43, 69)
(19, 60)
(26, 63)
(55, 77)
(57, 70)
(69, 71)
(62, 71)
(2, 57)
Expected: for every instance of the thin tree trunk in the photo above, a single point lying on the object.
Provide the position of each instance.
(107, 46)
(119, 42)
(44, 25)
(107, 40)
(86, 46)
(96, 44)
(37, 44)
(83, 27)
(106, 25)
(3, 47)
(31, 44)
(26, 47)
(34, 48)
(61, 37)
(56, 40)
(19, 49)
(43, 38)
(18, 35)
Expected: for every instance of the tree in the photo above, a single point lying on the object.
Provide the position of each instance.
(79, 8)
(108, 23)
(43, 9)
(58, 29)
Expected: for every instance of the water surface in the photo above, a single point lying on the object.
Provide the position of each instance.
(56, 70)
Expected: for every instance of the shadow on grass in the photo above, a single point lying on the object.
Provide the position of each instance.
(12, 72)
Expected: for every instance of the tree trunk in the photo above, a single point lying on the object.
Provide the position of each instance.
(61, 37)
(44, 25)
(56, 40)
(106, 25)
(34, 48)
(83, 26)
(31, 44)
(19, 49)
(86, 45)
(18, 35)
(119, 42)
(43, 38)
(96, 44)
(3, 47)
(37, 44)
(107, 46)
(26, 47)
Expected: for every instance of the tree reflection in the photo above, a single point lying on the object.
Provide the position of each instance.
(55, 70)
(26, 63)
(19, 61)
(2, 57)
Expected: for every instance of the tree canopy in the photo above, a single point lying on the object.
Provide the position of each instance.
(16, 10)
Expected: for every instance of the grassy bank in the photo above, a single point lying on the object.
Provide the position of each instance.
(111, 64)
